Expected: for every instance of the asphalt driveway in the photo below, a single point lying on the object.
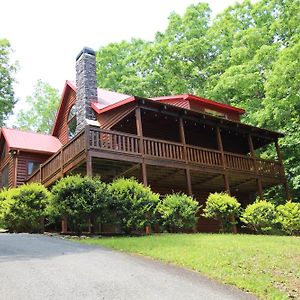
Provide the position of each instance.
(41, 267)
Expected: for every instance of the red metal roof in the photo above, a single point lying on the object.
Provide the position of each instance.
(205, 101)
(108, 100)
(30, 141)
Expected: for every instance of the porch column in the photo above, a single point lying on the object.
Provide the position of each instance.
(187, 170)
(225, 176)
(139, 129)
(89, 167)
(285, 185)
(258, 178)
(221, 149)
(64, 225)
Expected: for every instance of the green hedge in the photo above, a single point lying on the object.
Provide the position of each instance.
(223, 208)
(288, 216)
(81, 200)
(132, 205)
(23, 209)
(177, 212)
(260, 216)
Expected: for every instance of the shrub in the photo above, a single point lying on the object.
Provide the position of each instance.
(260, 216)
(24, 208)
(133, 205)
(288, 216)
(80, 199)
(223, 208)
(178, 212)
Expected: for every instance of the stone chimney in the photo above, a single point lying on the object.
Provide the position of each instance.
(86, 86)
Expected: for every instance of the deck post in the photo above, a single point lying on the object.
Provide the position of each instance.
(139, 129)
(187, 170)
(221, 149)
(89, 166)
(64, 225)
(225, 175)
(285, 184)
(258, 179)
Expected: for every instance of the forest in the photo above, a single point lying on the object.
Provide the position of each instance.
(248, 56)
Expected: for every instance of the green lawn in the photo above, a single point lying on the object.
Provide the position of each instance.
(268, 266)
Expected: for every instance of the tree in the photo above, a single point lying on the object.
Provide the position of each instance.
(247, 56)
(42, 108)
(7, 72)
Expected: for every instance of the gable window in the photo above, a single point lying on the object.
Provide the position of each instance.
(72, 122)
(32, 166)
(215, 113)
(4, 177)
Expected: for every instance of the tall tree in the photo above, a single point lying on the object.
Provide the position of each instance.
(246, 56)
(42, 106)
(7, 72)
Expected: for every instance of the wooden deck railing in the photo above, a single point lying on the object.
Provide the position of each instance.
(98, 139)
(54, 167)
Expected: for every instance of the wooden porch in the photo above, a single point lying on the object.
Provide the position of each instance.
(92, 150)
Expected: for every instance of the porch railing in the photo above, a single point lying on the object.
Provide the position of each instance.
(98, 139)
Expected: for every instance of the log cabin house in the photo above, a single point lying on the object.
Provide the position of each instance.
(172, 143)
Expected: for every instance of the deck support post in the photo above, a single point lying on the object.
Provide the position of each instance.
(285, 184)
(221, 149)
(225, 175)
(258, 179)
(64, 225)
(89, 166)
(139, 129)
(187, 170)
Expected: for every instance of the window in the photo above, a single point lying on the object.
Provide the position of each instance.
(215, 113)
(72, 122)
(32, 166)
(4, 177)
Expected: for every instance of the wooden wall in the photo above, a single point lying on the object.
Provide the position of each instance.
(61, 129)
(22, 160)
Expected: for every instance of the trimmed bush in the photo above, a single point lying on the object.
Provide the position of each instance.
(178, 212)
(260, 216)
(223, 208)
(288, 216)
(23, 209)
(133, 205)
(80, 199)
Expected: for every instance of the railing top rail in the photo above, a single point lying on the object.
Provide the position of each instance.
(239, 155)
(163, 141)
(202, 148)
(98, 129)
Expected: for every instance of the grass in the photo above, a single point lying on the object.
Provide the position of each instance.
(267, 266)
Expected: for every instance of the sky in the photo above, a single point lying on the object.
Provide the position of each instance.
(47, 35)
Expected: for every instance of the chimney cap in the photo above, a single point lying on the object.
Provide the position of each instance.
(86, 50)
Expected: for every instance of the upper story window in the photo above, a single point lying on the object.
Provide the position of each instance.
(215, 113)
(32, 166)
(72, 122)
(4, 177)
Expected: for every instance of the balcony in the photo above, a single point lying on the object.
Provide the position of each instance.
(120, 146)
